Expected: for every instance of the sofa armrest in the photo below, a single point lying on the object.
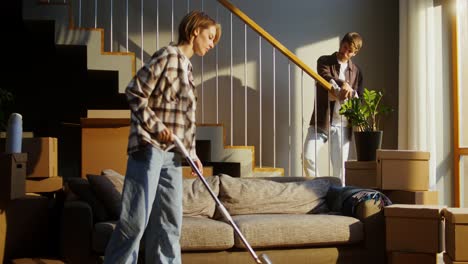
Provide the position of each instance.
(371, 214)
(77, 230)
(367, 206)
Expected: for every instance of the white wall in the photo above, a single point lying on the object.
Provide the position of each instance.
(310, 29)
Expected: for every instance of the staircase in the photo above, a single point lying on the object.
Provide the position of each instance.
(91, 42)
(66, 33)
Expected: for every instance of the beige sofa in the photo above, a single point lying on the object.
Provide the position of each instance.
(291, 219)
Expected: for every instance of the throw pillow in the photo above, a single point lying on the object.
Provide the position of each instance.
(108, 188)
(81, 188)
(197, 201)
(262, 196)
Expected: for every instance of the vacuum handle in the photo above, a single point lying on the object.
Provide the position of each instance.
(180, 146)
(263, 258)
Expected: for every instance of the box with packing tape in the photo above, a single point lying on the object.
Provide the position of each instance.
(414, 228)
(42, 157)
(403, 170)
(12, 175)
(361, 174)
(400, 257)
(456, 233)
(413, 197)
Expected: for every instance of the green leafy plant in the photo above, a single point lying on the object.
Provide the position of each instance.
(364, 113)
(6, 102)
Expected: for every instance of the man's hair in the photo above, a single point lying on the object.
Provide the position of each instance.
(353, 39)
(193, 20)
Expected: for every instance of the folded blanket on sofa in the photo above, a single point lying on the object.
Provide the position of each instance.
(346, 199)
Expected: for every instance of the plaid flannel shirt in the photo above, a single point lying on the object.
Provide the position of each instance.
(162, 94)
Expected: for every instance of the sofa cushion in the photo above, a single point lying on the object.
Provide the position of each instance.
(261, 196)
(108, 188)
(197, 201)
(280, 230)
(200, 233)
(82, 189)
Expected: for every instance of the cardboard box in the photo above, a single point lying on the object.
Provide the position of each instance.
(399, 257)
(361, 174)
(449, 260)
(44, 185)
(12, 176)
(42, 156)
(36, 261)
(187, 172)
(28, 227)
(104, 145)
(403, 170)
(414, 228)
(413, 197)
(3, 229)
(456, 233)
(107, 113)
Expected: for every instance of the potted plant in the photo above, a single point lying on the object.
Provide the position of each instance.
(6, 102)
(364, 115)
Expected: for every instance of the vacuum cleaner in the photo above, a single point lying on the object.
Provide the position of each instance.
(262, 258)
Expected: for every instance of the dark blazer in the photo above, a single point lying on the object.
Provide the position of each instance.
(329, 68)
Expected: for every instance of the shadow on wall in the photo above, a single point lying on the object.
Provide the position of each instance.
(215, 99)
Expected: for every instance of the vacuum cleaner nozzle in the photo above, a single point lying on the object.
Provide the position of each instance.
(265, 259)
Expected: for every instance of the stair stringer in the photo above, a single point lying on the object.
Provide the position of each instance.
(245, 155)
(93, 38)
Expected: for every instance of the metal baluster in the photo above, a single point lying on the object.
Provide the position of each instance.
(274, 107)
(95, 13)
(157, 24)
(79, 13)
(245, 85)
(231, 79)
(260, 95)
(302, 119)
(126, 24)
(172, 20)
(289, 118)
(142, 37)
(202, 85)
(111, 25)
(217, 76)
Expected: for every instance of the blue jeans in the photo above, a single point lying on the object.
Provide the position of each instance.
(151, 205)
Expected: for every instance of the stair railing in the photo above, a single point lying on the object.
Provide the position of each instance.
(286, 145)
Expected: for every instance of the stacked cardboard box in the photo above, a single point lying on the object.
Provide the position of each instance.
(42, 166)
(12, 176)
(414, 233)
(456, 234)
(402, 175)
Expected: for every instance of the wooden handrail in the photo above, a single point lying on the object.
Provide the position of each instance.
(275, 43)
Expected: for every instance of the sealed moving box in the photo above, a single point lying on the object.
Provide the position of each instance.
(414, 228)
(399, 257)
(413, 197)
(12, 176)
(403, 170)
(361, 174)
(456, 233)
(449, 260)
(187, 172)
(104, 145)
(44, 185)
(42, 157)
